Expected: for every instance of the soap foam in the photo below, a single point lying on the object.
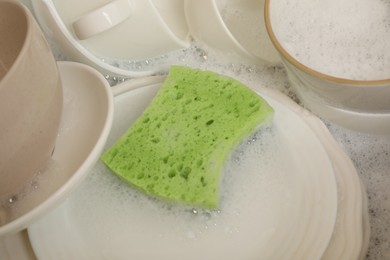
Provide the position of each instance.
(347, 39)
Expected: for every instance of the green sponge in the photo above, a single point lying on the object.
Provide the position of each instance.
(177, 148)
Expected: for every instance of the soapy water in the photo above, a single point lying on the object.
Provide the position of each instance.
(256, 76)
(159, 65)
(347, 39)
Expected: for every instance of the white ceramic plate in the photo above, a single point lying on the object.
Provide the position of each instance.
(291, 214)
(85, 125)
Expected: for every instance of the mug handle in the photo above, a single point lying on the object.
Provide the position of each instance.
(102, 19)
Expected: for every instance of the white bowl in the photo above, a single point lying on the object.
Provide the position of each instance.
(361, 105)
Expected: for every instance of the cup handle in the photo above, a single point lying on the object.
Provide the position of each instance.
(102, 19)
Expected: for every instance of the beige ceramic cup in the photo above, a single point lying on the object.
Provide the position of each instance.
(30, 98)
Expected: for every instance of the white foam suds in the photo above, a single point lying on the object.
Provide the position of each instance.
(199, 56)
(347, 39)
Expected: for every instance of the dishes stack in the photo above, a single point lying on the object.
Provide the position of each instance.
(131, 38)
(315, 210)
(289, 192)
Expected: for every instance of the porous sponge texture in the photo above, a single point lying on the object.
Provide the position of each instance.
(177, 148)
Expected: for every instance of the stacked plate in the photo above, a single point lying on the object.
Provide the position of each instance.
(295, 195)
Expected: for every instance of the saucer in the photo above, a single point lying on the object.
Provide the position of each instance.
(85, 125)
(309, 200)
